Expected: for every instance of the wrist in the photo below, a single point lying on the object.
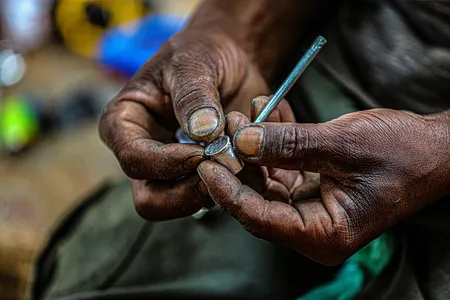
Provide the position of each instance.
(268, 31)
(211, 20)
(440, 126)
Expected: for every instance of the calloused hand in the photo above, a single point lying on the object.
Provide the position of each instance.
(376, 167)
(187, 83)
(274, 184)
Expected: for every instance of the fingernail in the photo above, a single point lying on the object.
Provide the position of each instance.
(203, 122)
(249, 140)
(191, 163)
(201, 168)
(201, 186)
(258, 104)
(254, 102)
(255, 111)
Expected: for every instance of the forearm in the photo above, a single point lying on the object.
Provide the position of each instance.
(268, 30)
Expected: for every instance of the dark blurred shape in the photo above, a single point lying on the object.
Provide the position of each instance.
(79, 107)
(81, 24)
(98, 15)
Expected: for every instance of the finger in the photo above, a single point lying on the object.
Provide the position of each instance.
(275, 191)
(129, 130)
(265, 185)
(234, 121)
(291, 146)
(195, 94)
(309, 229)
(289, 178)
(281, 113)
(259, 179)
(309, 189)
(162, 200)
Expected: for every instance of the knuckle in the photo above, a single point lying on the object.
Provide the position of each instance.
(192, 83)
(196, 90)
(289, 145)
(108, 121)
(127, 160)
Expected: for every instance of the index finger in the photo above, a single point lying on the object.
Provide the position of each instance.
(130, 131)
(310, 228)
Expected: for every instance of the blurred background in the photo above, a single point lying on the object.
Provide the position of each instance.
(61, 61)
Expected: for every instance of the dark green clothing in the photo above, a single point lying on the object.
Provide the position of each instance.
(105, 251)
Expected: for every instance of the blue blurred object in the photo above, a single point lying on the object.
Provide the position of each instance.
(127, 48)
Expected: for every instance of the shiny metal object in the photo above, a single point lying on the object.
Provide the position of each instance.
(221, 151)
(301, 66)
(201, 213)
(182, 138)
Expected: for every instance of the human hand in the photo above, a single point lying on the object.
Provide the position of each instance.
(274, 184)
(376, 168)
(188, 81)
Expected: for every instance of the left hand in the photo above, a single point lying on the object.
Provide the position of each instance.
(376, 168)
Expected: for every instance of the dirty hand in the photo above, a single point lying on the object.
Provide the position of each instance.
(188, 81)
(272, 183)
(376, 168)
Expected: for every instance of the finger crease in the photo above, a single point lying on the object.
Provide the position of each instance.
(265, 220)
(295, 146)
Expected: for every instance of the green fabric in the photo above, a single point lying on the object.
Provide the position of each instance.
(367, 263)
(347, 284)
(376, 255)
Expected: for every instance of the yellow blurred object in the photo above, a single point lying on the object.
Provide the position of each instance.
(82, 23)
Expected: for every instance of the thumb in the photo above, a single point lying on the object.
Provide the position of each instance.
(289, 146)
(197, 106)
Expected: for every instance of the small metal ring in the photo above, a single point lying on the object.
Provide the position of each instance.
(221, 151)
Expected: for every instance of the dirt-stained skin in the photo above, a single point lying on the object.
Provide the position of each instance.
(346, 180)
(211, 67)
(376, 167)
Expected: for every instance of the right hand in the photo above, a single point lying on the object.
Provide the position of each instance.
(274, 184)
(187, 82)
